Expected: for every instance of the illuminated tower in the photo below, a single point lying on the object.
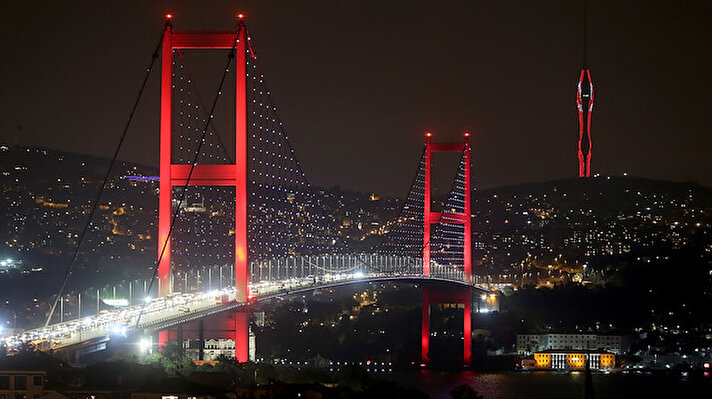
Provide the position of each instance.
(584, 105)
(463, 218)
(183, 175)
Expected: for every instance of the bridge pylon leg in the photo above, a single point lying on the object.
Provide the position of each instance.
(467, 327)
(435, 296)
(426, 208)
(425, 330)
(168, 335)
(242, 333)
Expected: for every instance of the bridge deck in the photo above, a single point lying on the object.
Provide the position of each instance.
(160, 313)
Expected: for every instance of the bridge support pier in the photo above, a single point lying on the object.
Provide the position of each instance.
(234, 325)
(433, 297)
(173, 334)
(163, 338)
(242, 333)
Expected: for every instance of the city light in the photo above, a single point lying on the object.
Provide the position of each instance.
(116, 302)
(119, 330)
(305, 240)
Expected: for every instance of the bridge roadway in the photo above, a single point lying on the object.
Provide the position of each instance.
(177, 308)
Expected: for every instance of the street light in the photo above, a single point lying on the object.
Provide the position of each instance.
(144, 345)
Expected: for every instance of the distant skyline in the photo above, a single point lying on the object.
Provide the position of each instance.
(358, 84)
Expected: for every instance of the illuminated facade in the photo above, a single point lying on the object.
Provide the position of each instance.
(564, 360)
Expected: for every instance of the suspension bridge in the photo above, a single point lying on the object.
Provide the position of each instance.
(280, 239)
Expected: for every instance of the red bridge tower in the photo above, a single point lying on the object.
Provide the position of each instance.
(451, 217)
(172, 175)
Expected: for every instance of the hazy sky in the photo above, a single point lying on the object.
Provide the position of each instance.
(359, 82)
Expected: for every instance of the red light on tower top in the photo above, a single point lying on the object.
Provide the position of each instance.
(428, 135)
(466, 134)
(240, 16)
(169, 16)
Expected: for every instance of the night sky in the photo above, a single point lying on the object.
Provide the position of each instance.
(359, 82)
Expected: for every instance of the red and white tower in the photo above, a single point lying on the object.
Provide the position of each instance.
(584, 105)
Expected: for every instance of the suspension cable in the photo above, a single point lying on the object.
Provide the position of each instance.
(95, 204)
(301, 176)
(438, 223)
(276, 115)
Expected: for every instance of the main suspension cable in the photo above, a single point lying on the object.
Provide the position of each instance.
(95, 204)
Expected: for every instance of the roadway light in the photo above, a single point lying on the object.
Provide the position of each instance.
(118, 330)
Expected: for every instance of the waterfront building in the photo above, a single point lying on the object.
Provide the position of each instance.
(567, 360)
(212, 349)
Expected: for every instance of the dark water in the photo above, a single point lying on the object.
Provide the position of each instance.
(541, 385)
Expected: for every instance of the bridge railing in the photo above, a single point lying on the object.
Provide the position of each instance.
(216, 277)
(318, 265)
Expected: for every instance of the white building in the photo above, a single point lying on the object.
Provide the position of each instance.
(530, 343)
(213, 348)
